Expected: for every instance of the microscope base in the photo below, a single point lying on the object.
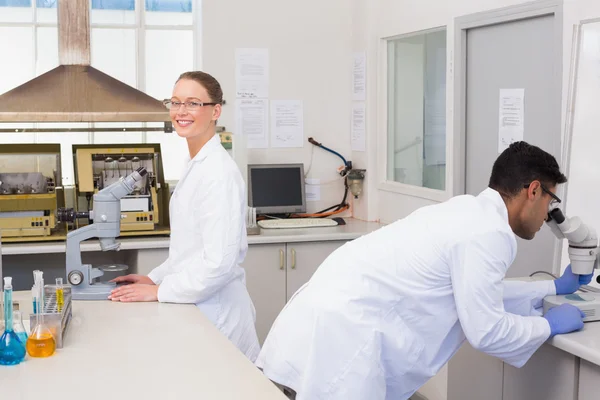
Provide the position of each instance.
(589, 303)
(98, 291)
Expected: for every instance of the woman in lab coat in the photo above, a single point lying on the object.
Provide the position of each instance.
(386, 311)
(208, 229)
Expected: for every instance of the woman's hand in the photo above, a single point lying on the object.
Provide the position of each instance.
(133, 278)
(135, 292)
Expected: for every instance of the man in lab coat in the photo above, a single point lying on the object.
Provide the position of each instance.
(385, 312)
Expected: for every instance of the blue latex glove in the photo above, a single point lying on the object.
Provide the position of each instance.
(564, 319)
(569, 282)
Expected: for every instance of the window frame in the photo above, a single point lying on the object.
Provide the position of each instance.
(141, 28)
(384, 183)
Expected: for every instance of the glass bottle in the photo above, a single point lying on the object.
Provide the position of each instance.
(40, 343)
(12, 350)
(18, 326)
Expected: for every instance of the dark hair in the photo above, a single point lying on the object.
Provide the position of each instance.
(212, 86)
(521, 164)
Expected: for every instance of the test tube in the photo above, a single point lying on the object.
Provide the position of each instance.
(60, 298)
(34, 298)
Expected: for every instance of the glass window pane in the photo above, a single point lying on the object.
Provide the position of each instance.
(161, 71)
(18, 68)
(46, 3)
(168, 12)
(113, 52)
(113, 5)
(117, 137)
(47, 50)
(112, 12)
(16, 11)
(174, 151)
(46, 11)
(7, 138)
(417, 110)
(15, 3)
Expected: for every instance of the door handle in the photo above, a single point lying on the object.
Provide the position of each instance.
(281, 258)
(293, 259)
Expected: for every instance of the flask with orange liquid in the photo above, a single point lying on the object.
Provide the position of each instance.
(40, 342)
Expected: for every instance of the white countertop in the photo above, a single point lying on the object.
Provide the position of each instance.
(353, 229)
(584, 344)
(137, 351)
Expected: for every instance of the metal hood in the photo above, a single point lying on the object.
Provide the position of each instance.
(75, 91)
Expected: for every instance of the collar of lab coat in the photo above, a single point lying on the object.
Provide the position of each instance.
(206, 149)
(494, 197)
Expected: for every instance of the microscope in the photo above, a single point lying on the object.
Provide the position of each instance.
(583, 254)
(106, 226)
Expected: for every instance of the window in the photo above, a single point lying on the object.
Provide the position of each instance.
(131, 40)
(416, 91)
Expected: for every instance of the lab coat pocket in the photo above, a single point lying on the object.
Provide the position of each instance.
(401, 350)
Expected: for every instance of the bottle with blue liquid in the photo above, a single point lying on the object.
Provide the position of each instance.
(12, 349)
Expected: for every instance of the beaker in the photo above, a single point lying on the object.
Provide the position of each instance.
(40, 342)
(12, 350)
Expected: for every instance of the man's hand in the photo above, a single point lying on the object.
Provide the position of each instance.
(564, 319)
(133, 278)
(135, 292)
(569, 282)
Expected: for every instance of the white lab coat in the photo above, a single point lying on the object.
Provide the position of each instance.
(386, 311)
(208, 244)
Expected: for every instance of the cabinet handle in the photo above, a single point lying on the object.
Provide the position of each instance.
(293, 259)
(281, 258)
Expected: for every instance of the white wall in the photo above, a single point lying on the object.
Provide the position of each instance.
(395, 17)
(310, 51)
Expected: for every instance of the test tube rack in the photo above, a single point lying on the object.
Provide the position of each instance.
(57, 321)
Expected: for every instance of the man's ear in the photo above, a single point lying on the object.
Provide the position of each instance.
(534, 187)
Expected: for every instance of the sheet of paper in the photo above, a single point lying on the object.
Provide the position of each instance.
(252, 73)
(313, 189)
(358, 133)
(511, 121)
(287, 123)
(359, 77)
(252, 122)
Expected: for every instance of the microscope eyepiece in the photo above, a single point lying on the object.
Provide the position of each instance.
(557, 215)
(142, 171)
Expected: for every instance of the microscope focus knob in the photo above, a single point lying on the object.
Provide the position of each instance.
(75, 278)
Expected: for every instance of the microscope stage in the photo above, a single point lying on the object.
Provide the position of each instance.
(589, 303)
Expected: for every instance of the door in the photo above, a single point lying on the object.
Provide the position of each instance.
(518, 54)
(265, 280)
(304, 259)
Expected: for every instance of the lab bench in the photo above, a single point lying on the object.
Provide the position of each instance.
(566, 367)
(137, 351)
(278, 261)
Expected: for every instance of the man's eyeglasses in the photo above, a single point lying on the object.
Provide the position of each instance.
(555, 198)
(189, 105)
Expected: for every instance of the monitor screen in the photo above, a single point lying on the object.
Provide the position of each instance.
(276, 188)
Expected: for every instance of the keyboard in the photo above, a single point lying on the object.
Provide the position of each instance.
(296, 223)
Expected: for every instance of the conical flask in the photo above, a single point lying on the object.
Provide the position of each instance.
(12, 350)
(40, 343)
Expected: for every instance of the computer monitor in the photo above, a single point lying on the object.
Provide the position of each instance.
(276, 188)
